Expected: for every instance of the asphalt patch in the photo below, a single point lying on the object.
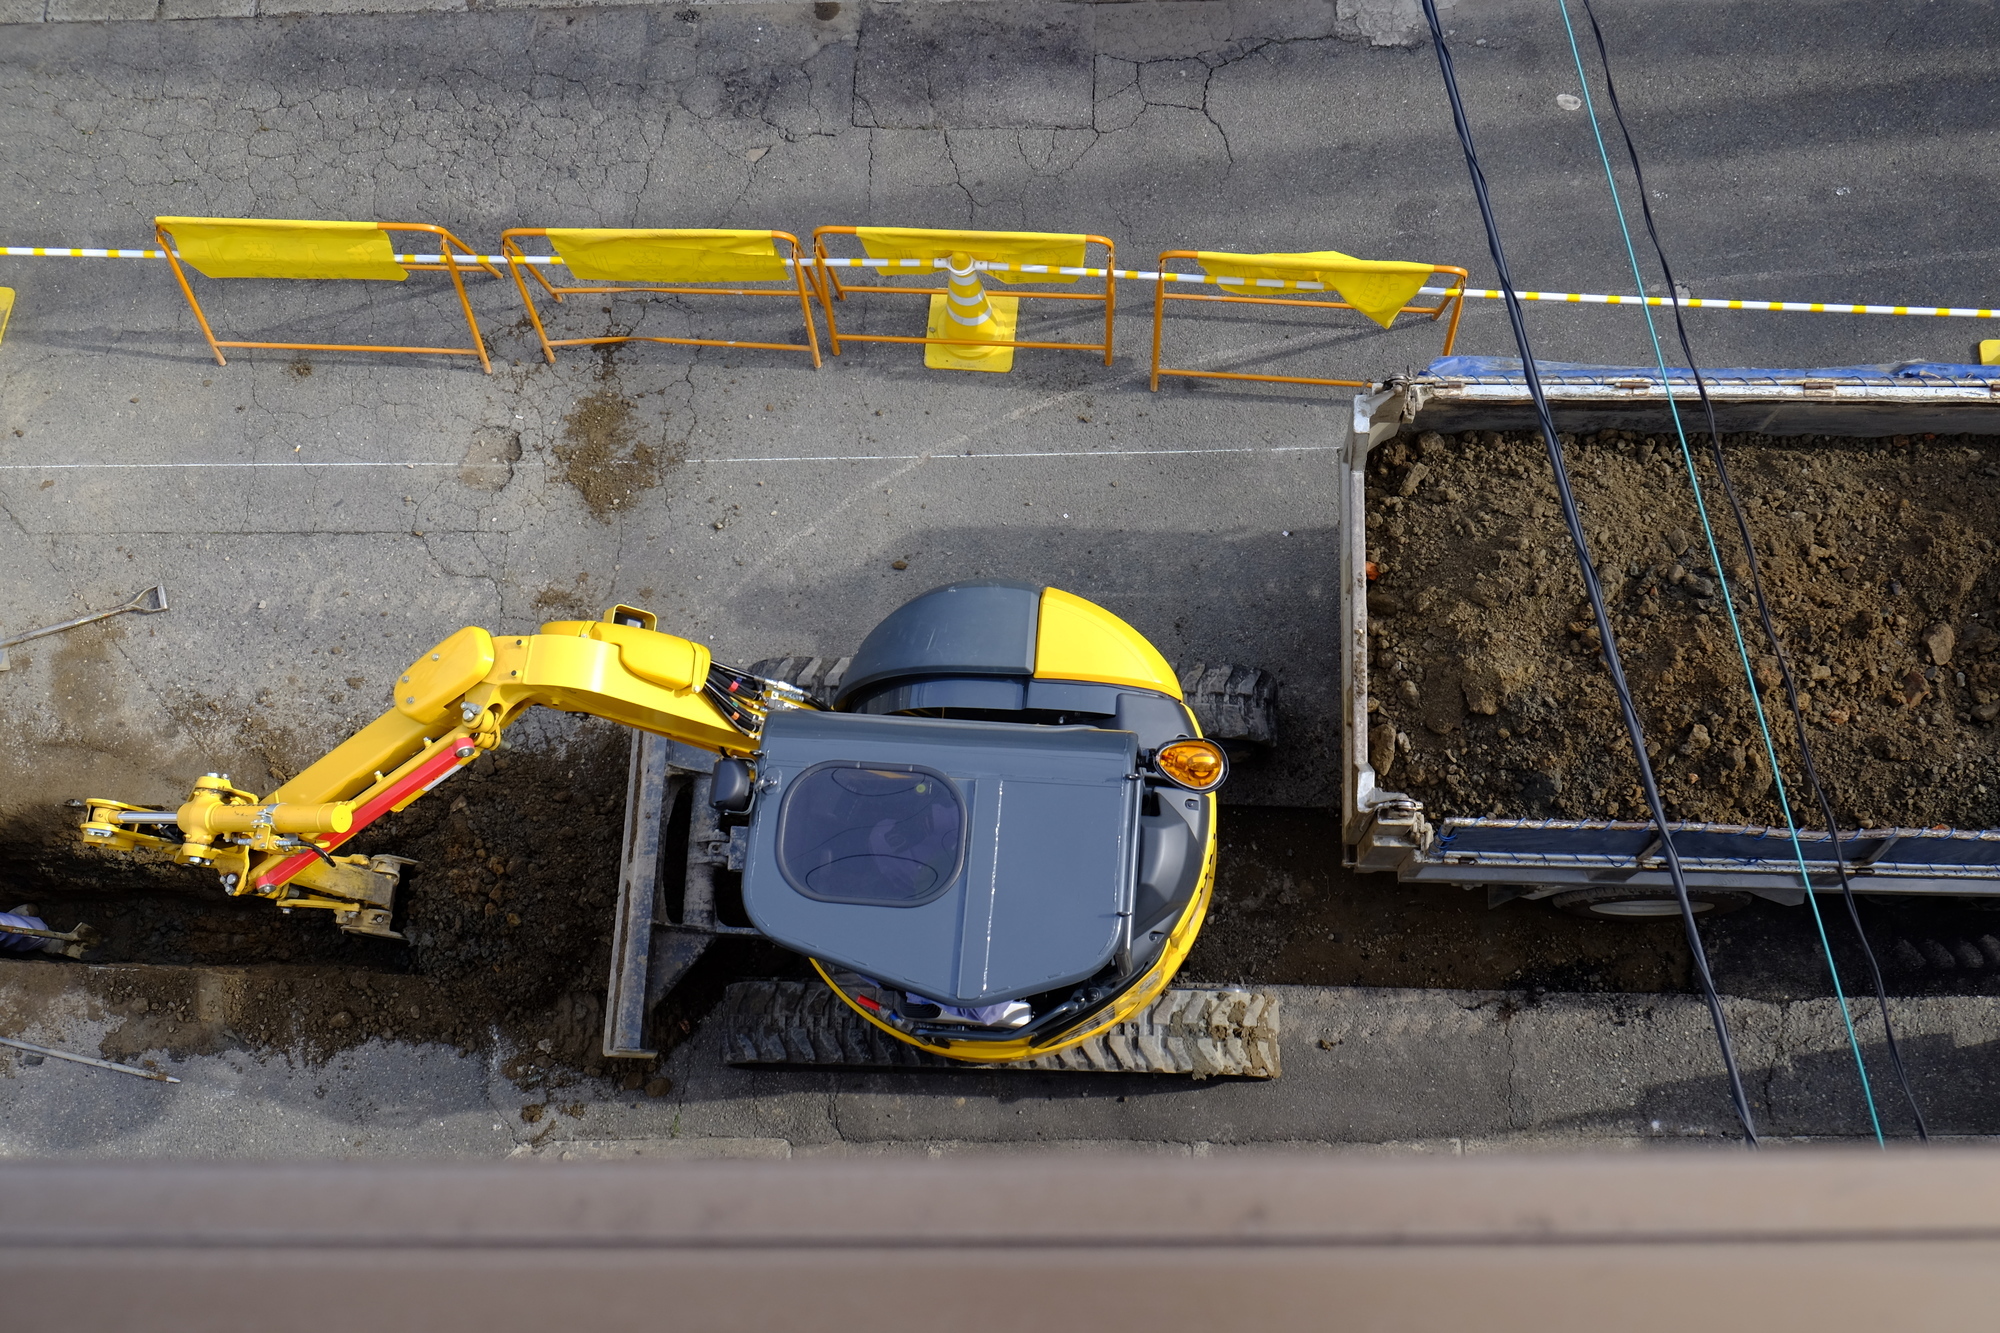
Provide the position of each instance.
(602, 456)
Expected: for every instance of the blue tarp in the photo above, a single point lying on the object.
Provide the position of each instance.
(1507, 370)
(1941, 370)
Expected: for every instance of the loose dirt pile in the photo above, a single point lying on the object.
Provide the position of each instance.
(1877, 554)
(603, 457)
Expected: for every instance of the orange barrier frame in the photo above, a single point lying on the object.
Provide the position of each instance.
(515, 255)
(831, 289)
(1454, 302)
(448, 245)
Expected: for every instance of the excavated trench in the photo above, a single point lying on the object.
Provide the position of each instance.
(510, 920)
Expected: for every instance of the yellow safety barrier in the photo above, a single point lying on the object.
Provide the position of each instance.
(6, 309)
(968, 328)
(280, 248)
(1379, 289)
(680, 262)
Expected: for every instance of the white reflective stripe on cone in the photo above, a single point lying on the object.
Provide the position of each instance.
(964, 289)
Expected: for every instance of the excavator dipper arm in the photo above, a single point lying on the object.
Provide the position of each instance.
(450, 707)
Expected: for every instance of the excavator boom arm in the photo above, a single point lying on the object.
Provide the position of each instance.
(450, 707)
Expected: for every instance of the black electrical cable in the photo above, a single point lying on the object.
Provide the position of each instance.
(1634, 729)
(318, 851)
(1757, 586)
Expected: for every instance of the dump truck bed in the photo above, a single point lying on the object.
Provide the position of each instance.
(1390, 830)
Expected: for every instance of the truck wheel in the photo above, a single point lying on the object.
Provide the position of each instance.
(819, 677)
(1237, 705)
(1645, 904)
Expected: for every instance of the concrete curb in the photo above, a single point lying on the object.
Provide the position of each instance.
(1424, 1071)
(1427, 1070)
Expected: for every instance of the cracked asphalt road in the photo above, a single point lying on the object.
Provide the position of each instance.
(372, 512)
(321, 518)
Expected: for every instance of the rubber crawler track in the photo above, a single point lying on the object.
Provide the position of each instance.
(1202, 1033)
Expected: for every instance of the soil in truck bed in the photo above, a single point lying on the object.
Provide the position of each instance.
(1488, 694)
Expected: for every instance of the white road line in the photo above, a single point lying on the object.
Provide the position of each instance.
(1045, 453)
(106, 467)
(792, 458)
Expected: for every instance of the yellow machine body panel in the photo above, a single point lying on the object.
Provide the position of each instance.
(435, 680)
(1079, 640)
(666, 660)
(595, 675)
(381, 746)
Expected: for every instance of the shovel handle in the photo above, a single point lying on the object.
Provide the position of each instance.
(143, 605)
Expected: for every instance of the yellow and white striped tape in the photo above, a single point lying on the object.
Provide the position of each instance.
(59, 252)
(1713, 303)
(1148, 275)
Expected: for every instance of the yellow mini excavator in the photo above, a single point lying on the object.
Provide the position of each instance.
(996, 838)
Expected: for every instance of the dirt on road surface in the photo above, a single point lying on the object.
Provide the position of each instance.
(1877, 555)
(507, 914)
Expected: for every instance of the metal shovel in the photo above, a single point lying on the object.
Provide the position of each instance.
(145, 604)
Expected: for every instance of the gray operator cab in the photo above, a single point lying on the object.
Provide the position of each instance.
(970, 862)
(964, 835)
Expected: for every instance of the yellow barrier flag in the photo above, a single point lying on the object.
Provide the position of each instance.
(1378, 288)
(273, 248)
(1055, 249)
(621, 254)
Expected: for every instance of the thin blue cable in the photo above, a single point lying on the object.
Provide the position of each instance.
(1715, 562)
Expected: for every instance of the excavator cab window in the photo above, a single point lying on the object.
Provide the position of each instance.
(891, 836)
